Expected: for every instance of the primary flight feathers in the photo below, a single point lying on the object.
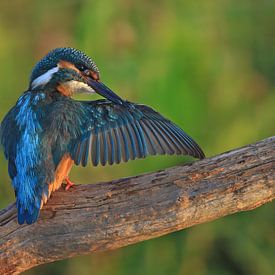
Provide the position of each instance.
(118, 133)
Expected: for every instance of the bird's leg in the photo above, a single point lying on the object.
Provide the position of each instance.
(68, 184)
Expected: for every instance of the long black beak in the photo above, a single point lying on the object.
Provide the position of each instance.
(104, 91)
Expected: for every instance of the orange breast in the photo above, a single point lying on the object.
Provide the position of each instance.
(62, 171)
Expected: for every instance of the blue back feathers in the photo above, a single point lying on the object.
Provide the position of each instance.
(20, 135)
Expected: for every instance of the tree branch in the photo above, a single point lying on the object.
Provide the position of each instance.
(110, 215)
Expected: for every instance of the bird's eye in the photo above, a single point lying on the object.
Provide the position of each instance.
(81, 68)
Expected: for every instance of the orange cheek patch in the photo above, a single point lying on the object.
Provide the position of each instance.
(94, 75)
(64, 89)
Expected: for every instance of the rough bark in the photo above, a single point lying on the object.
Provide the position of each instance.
(110, 215)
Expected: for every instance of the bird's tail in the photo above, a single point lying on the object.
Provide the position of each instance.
(28, 213)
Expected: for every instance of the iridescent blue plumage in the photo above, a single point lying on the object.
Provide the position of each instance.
(46, 131)
(21, 135)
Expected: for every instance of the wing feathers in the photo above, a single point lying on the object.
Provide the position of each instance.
(125, 143)
(142, 139)
(86, 153)
(156, 139)
(95, 149)
(111, 146)
(118, 145)
(119, 133)
(151, 147)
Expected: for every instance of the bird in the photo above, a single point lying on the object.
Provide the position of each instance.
(47, 131)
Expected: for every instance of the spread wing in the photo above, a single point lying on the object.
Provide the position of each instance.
(116, 133)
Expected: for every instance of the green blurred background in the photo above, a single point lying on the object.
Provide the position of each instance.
(207, 65)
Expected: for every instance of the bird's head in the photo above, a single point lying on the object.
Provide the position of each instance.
(69, 71)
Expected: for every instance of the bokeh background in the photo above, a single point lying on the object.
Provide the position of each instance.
(207, 65)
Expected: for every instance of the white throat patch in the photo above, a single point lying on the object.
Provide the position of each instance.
(44, 78)
(78, 87)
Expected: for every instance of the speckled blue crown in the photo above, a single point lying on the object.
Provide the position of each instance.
(78, 58)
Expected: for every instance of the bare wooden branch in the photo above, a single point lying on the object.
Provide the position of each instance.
(110, 215)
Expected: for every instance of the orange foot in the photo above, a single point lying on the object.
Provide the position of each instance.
(69, 184)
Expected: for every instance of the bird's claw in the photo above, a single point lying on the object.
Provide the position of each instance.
(69, 184)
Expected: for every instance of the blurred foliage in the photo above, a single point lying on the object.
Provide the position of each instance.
(207, 65)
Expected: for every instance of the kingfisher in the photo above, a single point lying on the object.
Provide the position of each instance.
(47, 131)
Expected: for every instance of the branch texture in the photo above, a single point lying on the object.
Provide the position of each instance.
(110, 215)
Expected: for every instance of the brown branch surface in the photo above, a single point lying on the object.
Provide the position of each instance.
(110, 215)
